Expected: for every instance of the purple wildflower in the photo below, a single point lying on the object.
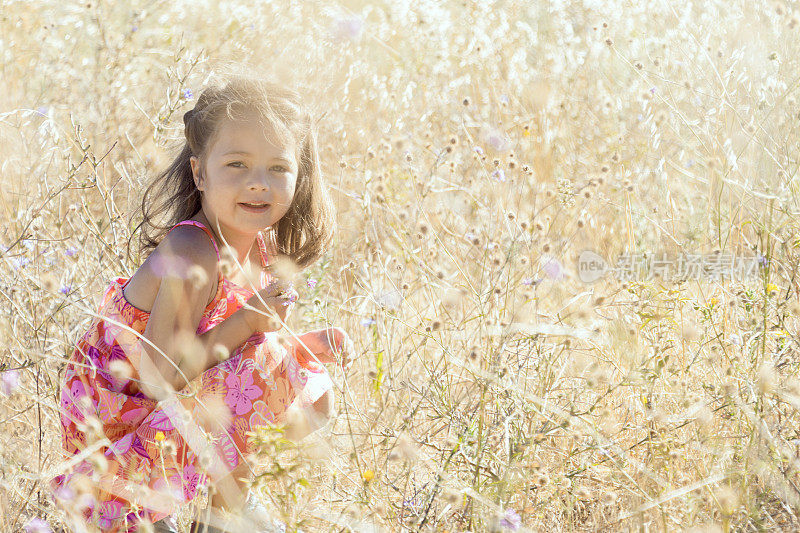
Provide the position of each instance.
(9, 381)
(366, 322)
(37, 525)
(42, 110)
(553, 268)
(19, 262)
(478, 150)
(65, 289)
(71, 251)
(499, 175)
(64, 492)
(187, 94)
(311, 282)
(498, 140)
(349, 28)
(529, 281)
(652, 90)
(511, 520)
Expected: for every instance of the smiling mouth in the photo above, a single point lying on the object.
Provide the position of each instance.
(257, 207)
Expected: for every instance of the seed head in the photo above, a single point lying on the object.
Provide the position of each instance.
(608, 498)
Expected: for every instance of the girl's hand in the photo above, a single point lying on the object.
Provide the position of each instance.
(276, 299)
(328, 345)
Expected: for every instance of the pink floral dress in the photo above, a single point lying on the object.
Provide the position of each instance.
(138, 477)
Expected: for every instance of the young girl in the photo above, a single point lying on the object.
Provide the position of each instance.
(246, 185)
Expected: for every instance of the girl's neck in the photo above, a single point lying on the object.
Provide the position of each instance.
(240, 244)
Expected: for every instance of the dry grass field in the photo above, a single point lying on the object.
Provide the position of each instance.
(474, 151)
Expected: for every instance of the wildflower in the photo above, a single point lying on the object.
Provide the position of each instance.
(187, 94)
(42, 111)
(499, 175)
(349, 28)
(65, 289)
(478, 150)
(71, 251)
(553, 269)
(37, 525)
(159, 436)
(498, 140)
(311, 282)
(19, 262)
(367, 475)
(771, 287)
(367, 322)
(511, 520)
(290, 297)
(9, 382)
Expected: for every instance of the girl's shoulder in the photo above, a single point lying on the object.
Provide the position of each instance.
(185, 253)
(186, 246)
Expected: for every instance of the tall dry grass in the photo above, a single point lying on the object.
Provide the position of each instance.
(474, 150)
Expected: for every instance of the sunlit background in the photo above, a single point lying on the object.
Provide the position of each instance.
(474, 150)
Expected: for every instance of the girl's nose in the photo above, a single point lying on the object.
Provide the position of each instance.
(259, 181)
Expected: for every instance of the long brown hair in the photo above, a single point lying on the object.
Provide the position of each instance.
(306, 229)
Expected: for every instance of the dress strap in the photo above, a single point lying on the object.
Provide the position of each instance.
(202, 227)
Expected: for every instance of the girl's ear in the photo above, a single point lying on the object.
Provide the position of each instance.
(197, 175)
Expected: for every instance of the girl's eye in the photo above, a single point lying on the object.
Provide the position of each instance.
(280, 168)
(236, 164)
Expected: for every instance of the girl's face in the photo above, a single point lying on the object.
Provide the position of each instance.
(248, 178)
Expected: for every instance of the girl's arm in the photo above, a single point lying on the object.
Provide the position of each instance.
(186, 285)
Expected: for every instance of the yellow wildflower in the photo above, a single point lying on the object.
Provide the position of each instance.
(159, 436)
(771, 287)
(368, 475)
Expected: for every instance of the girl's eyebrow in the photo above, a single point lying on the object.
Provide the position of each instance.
(280, 157)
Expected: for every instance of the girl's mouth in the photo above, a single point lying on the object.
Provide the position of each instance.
(254, 207)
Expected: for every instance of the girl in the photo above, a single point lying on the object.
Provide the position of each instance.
(247, 183)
